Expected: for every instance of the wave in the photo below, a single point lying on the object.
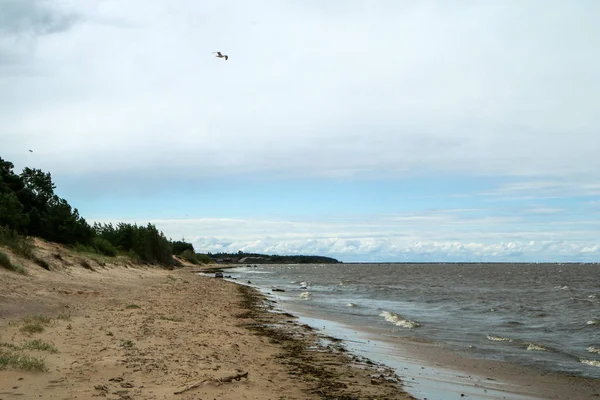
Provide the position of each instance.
(305, 296)
(498, 339)
(593, 363)
(593, 349)
(398, 320)
(536, 347)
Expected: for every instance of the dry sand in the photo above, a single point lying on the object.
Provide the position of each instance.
(126, 331)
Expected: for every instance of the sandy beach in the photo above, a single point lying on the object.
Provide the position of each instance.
(112, 329)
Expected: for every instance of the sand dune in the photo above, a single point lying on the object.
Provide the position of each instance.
(126, 331)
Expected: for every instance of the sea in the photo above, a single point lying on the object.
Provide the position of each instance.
(545, 316)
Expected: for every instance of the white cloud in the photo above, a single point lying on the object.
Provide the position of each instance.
(390, 238)
(21, 23)
(129, 96)
(340, 90)
(531, 189)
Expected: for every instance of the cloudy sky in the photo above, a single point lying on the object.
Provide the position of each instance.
(359, 129)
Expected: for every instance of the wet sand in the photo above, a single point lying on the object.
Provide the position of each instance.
(126, 331)
(432, 371)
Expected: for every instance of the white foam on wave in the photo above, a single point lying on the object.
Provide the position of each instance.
(593, 349)
(536, 347)
(498, 338)
(593, 363)
(305, 296)
(398, 320)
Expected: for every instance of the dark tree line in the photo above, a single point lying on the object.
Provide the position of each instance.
(273, 259)
(180, 246)
(29, 206)
(144, 242)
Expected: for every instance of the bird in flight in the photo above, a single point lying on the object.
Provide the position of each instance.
(219, 55)
(31, 151)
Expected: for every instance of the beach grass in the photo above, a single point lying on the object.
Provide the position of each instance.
(39, 345)
(11, 360)
(35, 324)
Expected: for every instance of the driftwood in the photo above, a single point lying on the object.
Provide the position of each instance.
(226, 379)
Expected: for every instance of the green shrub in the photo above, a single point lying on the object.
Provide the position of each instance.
(9, 346)
(39, 345)
(19, 269)
(179, 246)
(82, 248)
(6, 263)
(33, 327)
(35, 324)
(20, 245)
(189, 256)
(21, 362)
(146, 242)
(134, 256)
(203, 258)
(103, 246)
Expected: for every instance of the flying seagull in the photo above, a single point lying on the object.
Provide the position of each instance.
(219, 55)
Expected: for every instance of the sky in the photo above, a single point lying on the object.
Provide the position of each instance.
(365, 130)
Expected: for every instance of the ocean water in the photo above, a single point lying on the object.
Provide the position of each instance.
(541, 315)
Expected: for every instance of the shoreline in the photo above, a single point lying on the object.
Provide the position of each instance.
(434, 370)
(440, 370)
(303, 346)
(123, 331)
